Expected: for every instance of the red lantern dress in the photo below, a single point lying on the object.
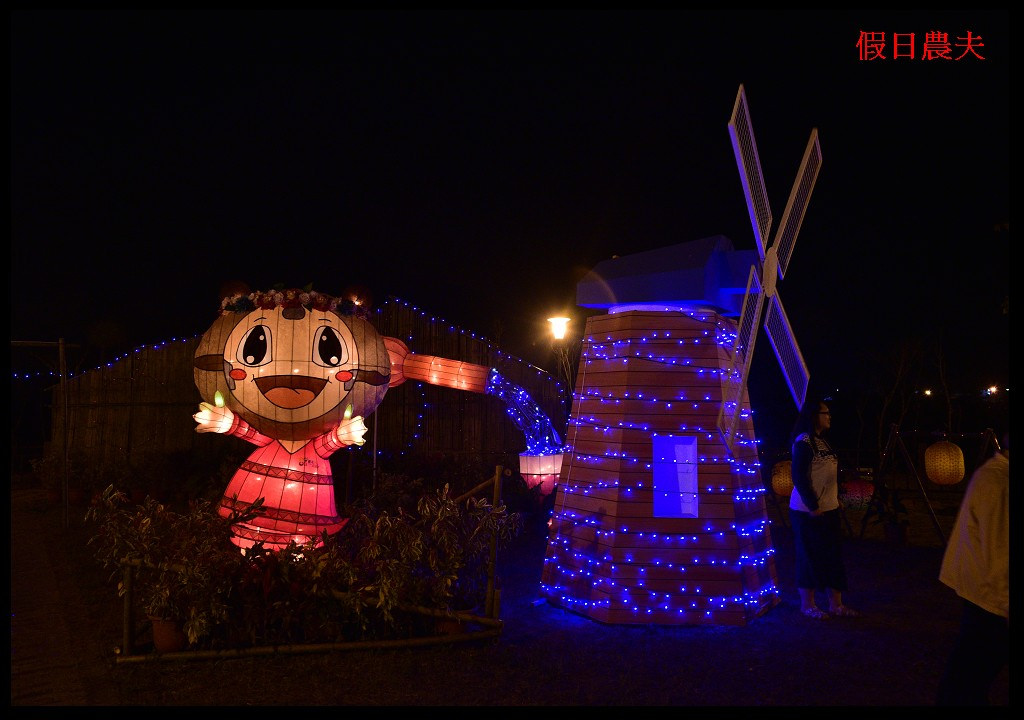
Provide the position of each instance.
(297, 487)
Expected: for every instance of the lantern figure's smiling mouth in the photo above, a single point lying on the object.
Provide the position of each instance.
(290, 391)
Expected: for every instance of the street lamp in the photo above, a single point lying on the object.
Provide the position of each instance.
(565, 352)
(544, 469)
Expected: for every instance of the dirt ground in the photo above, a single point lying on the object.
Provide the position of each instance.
(66, 623)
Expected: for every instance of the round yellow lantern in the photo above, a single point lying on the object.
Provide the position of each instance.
(782, 478)
(944, 463)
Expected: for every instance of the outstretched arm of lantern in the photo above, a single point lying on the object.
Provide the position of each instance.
(351, 432)
(218, 419)
(211, 418)
(434, 370)
(541, 436)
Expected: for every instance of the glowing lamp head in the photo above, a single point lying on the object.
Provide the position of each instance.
(558, 326)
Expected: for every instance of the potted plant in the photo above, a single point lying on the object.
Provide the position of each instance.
(383, 575)
(185, 563)
(432, 554)
(83, 477)
(453, 570)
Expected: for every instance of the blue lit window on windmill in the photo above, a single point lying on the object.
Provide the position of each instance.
(675, 475)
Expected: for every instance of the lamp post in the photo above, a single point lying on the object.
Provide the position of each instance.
(565, 353)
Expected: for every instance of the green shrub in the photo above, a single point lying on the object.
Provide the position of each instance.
(358, 583)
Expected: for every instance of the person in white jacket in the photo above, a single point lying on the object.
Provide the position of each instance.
(976, 565)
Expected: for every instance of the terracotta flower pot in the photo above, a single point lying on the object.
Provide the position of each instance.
(449, 626)
(167, 635)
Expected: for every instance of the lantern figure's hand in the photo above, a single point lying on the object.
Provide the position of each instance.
(211, 418)
(351, 431)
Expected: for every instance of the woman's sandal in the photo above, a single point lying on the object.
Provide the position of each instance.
(844, 612)
(815, 613)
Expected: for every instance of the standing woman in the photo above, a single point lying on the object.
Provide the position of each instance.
(814, 513)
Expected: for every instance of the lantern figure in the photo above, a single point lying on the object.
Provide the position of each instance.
(944, 463)
(856, 494)
(782, 478)
(295, 372)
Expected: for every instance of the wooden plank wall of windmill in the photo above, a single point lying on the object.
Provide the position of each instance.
(608, 556)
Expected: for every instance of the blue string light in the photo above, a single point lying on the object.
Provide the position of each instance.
(541, 436)
(56, 375)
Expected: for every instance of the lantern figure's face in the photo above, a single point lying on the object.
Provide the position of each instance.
(292, 373)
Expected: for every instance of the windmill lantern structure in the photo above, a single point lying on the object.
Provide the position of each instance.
(659, 515)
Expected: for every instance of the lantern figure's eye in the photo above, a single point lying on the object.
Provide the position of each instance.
(329, 350)
(254, 349)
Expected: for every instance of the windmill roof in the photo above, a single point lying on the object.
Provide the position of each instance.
(704, 273)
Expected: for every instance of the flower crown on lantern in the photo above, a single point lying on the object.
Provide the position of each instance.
(292, 298)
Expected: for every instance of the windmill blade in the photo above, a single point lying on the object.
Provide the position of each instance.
(780, 333)
(745, 148)
(799, 196)
(742, 353)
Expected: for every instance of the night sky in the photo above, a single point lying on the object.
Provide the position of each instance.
(476, 164)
